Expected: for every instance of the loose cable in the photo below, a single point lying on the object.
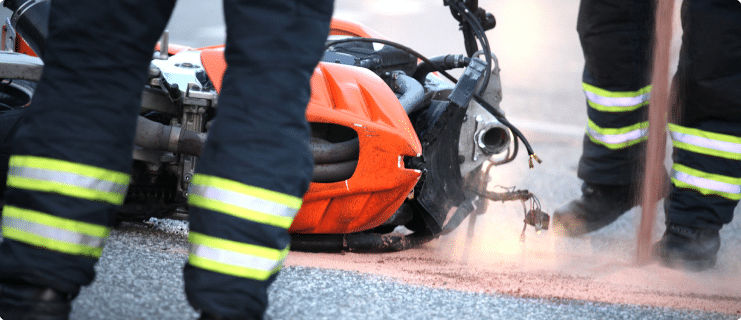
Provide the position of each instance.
(480, 34)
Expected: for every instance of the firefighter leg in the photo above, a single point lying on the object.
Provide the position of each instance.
(69, 168)
(706, 175)
(615, 37)
(256, 164)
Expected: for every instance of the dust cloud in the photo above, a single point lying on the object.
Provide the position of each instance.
(596, 267)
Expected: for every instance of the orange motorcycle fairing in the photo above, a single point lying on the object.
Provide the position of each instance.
(340, 27)
(214, 64)
(172, 48)
(358, 99)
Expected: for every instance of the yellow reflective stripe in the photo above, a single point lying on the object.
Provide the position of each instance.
(227, 269)
(66, 166)
(53, 233)
(239, 212)
(251, 249)
(616, 94)
(51, 244)
(67, 190)
(243, 201)
(234, 258)
(57, 222)
(705, 142)
(67, 178)
(706, 183)
(617, 138)
(231, 185)
(616, 101)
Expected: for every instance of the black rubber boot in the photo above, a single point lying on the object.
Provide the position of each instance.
(19, 301)
(598, 206)
(688, 248)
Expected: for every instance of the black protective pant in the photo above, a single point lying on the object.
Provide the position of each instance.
(616, 37)
(81, 123)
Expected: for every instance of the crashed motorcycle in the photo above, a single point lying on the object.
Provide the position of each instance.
(402, 149)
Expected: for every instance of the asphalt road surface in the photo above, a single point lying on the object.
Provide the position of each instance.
(139, 274)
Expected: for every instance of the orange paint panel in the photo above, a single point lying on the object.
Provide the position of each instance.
(344, 213)
(22, 46)
(306, 222)
(380, 201)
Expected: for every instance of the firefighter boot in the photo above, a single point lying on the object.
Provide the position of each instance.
(688, 248)
(598, 206)
(26, 302)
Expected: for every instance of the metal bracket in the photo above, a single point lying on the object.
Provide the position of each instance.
(164, 46)
(9, 36)
(20, 66)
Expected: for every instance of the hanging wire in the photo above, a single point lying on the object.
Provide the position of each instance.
(479, 33)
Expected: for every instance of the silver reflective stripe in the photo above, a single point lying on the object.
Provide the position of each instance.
(707, 183)
(242, 260)
(244, 201)
(53, 233)
(617, 101)
(618, 138)
(706, 143)
(68, 178)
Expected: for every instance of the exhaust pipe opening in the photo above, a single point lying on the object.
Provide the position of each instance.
(493, 140)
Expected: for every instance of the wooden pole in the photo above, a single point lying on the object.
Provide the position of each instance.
(658, 111)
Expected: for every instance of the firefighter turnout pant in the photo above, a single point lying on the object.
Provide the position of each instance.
(616, 38)
(70, 164)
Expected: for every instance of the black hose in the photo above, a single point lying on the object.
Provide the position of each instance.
(328, 152)
(358, 242)
(445, 62)
(333, 172)
(154, 135)
(412, 93)
(191, 142)
(318, 242)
